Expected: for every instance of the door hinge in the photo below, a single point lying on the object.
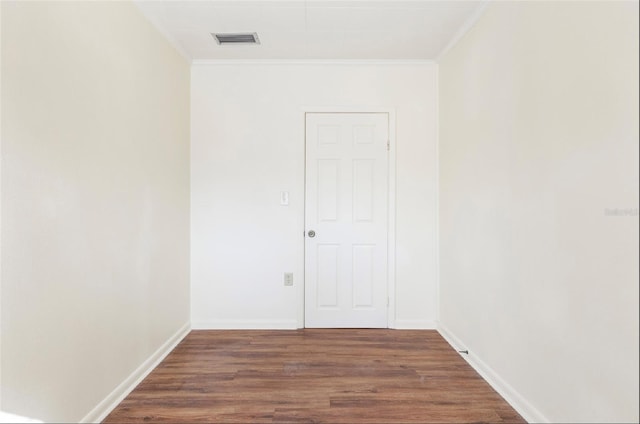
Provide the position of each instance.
(388, 145)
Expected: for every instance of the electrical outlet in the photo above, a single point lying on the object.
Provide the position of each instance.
(288, 278)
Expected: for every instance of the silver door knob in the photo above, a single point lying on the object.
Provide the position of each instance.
(311, 233)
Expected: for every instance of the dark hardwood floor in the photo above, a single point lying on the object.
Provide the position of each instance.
(314, 376)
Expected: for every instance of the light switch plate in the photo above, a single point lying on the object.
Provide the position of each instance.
(284, 198)
(288, 278)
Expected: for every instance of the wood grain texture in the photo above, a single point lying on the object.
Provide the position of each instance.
(314, 376)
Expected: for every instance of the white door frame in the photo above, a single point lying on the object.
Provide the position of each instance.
(391, 224)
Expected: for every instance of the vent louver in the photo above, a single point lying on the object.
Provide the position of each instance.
(237, 38)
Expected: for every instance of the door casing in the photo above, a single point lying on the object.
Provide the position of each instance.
(391, 201)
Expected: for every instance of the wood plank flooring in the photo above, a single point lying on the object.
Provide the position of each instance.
(314, 376)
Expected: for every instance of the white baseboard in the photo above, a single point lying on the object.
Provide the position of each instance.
(112, 400)
(515, 399)
(239, 324)
(414, 324)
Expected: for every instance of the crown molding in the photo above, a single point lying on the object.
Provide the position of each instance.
(348, 62)
(464, 29)
(166, 34)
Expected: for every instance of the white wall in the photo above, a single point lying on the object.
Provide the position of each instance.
(0, 209)
(248, 146)
(95, 202)
(538, 140)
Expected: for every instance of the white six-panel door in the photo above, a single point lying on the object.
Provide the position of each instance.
(346, 206)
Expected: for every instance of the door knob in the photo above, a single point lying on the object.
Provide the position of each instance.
(311, 233)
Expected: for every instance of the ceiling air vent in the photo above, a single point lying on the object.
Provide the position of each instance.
(237, 38)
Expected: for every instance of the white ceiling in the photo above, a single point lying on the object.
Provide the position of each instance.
(299, 29)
